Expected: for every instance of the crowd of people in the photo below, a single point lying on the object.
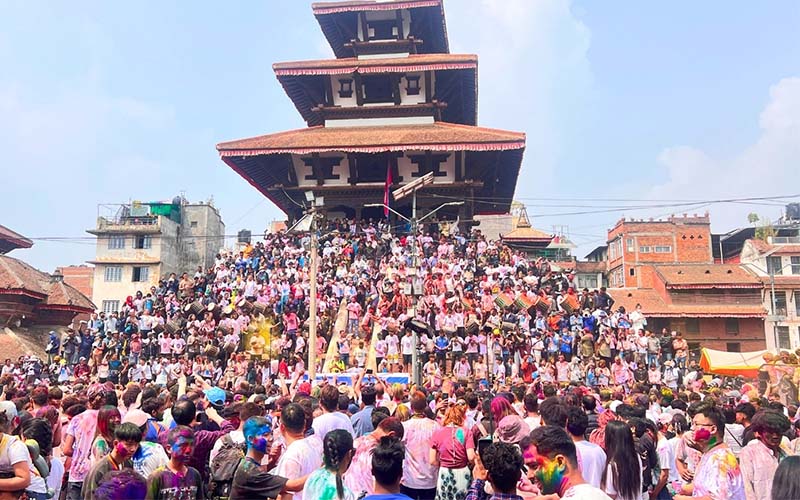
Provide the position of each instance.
(528, 386)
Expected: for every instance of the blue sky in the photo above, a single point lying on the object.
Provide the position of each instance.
(108, 102)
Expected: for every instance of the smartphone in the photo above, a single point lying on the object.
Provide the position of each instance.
(483, 443)
(445, 395)
(369, 371)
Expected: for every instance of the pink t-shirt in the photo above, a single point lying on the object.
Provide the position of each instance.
(82, 427)
(451, 442)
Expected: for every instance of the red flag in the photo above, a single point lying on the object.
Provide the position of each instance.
(389, 182)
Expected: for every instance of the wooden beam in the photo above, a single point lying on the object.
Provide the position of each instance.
(400, 34)
(428, 87)
(396, 90)
(359, 88)
(317, 169)
(364, 27)
(328, 91)
(459, 176)
(351, 163)
(292, 174)
(393, 165)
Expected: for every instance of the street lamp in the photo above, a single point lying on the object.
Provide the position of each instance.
(411, 188)
(308, 223)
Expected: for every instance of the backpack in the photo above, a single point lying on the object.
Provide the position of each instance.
(224, 466)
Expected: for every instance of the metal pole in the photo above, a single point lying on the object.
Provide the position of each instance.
(774, 308)
(312, 326)
(415, 351)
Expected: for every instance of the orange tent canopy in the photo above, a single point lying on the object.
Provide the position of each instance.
(732, 364)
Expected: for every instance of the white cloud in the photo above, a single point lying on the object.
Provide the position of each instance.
(770, 166)
(534, 73)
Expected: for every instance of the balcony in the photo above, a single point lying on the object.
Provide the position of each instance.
(786, 240)
(711, 299)
(143, 224)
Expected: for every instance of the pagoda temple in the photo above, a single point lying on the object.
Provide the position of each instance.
(393, 105)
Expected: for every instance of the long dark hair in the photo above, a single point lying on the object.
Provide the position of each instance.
(786, 483)
(624, 460)
(337, 444)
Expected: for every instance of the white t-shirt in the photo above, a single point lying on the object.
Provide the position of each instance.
(56, 476)
(331, 421)
(301, 457)
(592, 462)
(12, 452)
(666, 454)
(407, 344)
(585, 492)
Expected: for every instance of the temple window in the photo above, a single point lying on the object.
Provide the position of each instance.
(346, 88)
(412, 87)
(377, 88)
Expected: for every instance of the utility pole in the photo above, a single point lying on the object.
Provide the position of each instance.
(312, 325)
(774, 308)
(414, 297)
(403, 191)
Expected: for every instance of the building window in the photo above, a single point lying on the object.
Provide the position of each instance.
(143, 242)
(346, 88)
(632, 272)
(733, 347)
(378, 88)
(795, 265)
(784, 342)
(110, 306)
(774, 265)
(644, 249)
(797, 303)
(780, 303)
(663, 249)
(612, 250)
(629, 243)
(382, 29)
(413, 85)
(116, 242)
(732, 326)
(692, 325)
(193, 223)
(140, 274)
(113, 273)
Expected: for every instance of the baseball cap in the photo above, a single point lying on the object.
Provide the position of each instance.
(136, 417)
(9, 409)
(215, 395)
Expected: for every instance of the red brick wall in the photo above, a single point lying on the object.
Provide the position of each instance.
(712, 333)
(689, 239)
(80, 278)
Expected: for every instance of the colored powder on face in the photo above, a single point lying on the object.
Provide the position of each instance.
(182, 448)
(550, 474)
(702, 434)
(121, 450)
(260, 444)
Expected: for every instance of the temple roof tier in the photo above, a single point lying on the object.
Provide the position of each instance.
(343, 23)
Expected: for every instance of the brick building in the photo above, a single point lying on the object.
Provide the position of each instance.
(668, 267)
(713, 305)
(80, 278)
(634, 246)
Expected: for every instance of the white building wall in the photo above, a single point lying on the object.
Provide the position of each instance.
(757, 264)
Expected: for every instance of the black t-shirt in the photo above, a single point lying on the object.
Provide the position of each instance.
(253, 481)
(666, 344)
